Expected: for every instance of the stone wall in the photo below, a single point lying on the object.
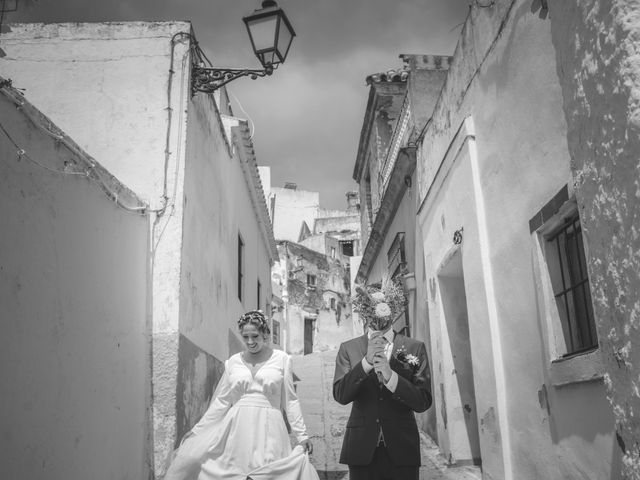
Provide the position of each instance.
(598, 56)
(493, 155)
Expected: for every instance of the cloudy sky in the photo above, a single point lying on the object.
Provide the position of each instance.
(308, 115)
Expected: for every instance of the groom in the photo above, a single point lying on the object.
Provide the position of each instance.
(385, 375)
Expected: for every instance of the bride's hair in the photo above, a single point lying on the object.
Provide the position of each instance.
(255, 318)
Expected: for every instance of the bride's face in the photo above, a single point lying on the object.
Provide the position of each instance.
(253, 339)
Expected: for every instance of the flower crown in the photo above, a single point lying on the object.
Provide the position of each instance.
(257, 318)
(379, 305)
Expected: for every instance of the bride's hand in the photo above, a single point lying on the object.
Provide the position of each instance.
(307, 445)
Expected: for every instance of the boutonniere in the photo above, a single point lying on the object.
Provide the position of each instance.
(408, 359)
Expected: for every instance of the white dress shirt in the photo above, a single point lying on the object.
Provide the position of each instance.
(388, 349)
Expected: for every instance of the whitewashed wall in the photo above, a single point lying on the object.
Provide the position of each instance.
(489, 165)
(74, 309)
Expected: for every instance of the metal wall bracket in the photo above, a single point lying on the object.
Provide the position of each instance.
(208, 80)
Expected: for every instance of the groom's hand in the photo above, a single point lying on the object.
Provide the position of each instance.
(381, 366)
(375, 346)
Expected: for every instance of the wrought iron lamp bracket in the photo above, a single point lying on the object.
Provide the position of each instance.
(207, 80)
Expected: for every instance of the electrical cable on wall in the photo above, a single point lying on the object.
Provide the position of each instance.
(91, 173)
(249, 119)
(177, 169)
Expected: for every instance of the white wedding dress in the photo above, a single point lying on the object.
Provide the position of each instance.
(242, 434)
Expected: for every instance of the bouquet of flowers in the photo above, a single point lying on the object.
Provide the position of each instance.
(379, 306)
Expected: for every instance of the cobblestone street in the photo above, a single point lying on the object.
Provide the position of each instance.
(326, 419)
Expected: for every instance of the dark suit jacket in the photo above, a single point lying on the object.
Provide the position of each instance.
(374, 406)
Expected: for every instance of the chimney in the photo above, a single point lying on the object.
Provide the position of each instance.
(353, 202)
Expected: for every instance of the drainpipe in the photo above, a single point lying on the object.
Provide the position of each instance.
(285, 300)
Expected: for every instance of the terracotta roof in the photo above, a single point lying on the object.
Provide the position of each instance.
(426, 62)
(393, 75)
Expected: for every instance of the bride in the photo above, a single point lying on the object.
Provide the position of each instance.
(243, 433)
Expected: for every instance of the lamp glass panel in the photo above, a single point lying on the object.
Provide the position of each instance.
(284, 40)
(268, 58)
(263, 32)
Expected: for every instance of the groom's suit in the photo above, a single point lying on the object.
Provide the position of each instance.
(376, 408)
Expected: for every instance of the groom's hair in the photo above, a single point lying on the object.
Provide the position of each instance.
(255, 318)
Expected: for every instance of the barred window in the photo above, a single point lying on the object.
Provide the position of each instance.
(275, 332)
(568, 271)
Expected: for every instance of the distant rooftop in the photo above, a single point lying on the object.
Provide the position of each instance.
(411, 62)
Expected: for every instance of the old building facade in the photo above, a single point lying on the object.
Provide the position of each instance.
(503, 268)
(311, 280)
(316, 300)
(399, 106)
(192, 162)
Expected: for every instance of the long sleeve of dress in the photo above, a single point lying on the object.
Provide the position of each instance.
(292, 404)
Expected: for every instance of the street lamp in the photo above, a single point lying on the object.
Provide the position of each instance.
(271, 35)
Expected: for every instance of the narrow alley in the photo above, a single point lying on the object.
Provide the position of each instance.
(456, 182)
(326, 420)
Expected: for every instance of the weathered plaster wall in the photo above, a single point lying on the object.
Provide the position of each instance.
(198, 376)
(420, 328)
(337, 223)
(217, 208)
(291, 208)
(403, 221)
(491, 181)
(111, 82)
(597, 51)
(122, 91)
(332, 325)
(75, 313)
(354, 264)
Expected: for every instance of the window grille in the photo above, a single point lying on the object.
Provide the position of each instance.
(570, 282)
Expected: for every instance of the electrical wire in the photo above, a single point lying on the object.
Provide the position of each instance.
(249, 119)
(91, 173)
(178, 156)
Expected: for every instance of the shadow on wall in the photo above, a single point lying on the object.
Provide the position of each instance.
(465, 436)
(581, 414)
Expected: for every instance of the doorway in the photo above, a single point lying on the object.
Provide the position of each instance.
(309, 327)
(464, 439)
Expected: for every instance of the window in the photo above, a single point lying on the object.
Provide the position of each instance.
(565, 283)
(396, 259)
(333, 303)
(299, 261)
(275, 332)
(240, 267)
(333, 252)
(564, 251)
(311, 280)
(347, 248)
(259, 294)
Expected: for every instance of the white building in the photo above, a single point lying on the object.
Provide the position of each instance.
(122, 91)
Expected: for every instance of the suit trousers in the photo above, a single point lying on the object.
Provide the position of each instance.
(382, 468)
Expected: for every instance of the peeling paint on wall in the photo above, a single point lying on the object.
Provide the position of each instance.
(598, 57)
(198, 375)
(489, 427)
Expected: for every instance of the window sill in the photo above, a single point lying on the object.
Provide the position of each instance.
(584, 367)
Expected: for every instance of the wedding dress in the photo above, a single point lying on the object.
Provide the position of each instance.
(242, 434)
